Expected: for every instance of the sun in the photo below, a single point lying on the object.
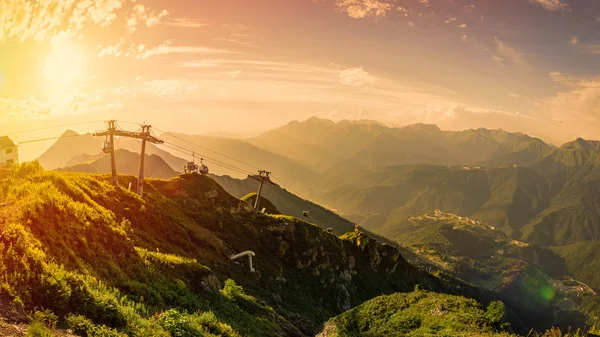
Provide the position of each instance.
(64, 66)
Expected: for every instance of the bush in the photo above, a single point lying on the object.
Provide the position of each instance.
(495, 313)
(84, 327)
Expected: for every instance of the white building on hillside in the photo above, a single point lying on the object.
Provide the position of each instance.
(9, 152)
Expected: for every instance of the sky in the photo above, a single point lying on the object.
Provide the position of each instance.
(241, 67)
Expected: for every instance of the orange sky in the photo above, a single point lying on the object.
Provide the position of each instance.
(241, 67)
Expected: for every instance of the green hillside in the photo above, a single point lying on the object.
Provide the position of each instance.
(264, 203)
(427, 314)
(505, 197)
(583, 261)
(103, 259)
(522, 275)
(287, 203)
(419, 313)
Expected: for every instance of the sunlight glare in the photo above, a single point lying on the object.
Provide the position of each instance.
(64, 66)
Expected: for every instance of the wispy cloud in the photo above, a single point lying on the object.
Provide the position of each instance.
(49, 19)
(364, 8)
(356, 77)
(143, 15)
(552, 5)
(591, 48)
(43, 20)
(506, 54)
(167, 48)
(561, 78)
(577, 109)
(141, 51)
(187, 23)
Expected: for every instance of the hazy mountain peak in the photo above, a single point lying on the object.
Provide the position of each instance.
(69, 133)
(582, 144)
(315, 119)
(422, 127)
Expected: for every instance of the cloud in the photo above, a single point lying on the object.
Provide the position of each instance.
(359, 9)
(356, 77)
(507, 54)
(141, 51)
(574, 40)
(64, 104)
(187, 23)
(167, 48)
(552, 5)
(45, 20)
(561, 78)
(578, 109)
(142, 14)
(591, 49)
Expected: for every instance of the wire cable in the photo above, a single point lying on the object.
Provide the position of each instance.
(209, 159)
(169, 145)
(53, 127)
(207, 149)
(49, 138)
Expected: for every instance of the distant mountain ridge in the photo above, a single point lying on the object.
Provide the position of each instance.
(73, 148)
(126, 162)
(323, 144)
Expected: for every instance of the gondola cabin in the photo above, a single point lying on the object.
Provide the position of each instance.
(203, 168)
(107, 146)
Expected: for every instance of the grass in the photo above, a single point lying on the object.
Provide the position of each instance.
(427, 314)
(103, 258)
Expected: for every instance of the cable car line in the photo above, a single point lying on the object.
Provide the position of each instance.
(207, 149)
(190, 152)
(49, 138)
(212, 161)
(53, 127)
(169, 145)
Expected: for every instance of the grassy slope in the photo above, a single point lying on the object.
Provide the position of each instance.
(522, 275)
(250, 198)
(583, 261)
(287, 203)
(506, 197)
(418, 313)
(427, 314)
(68, 241)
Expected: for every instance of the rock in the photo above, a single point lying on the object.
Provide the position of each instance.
(343, 298)
(351, 263)
(346, 276)
(211, 284)
(211, 194)
(329, 330)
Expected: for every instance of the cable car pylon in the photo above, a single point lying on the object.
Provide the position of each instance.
(109, 146)
(262, 177)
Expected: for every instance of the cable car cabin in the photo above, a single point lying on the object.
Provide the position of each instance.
(203, 168)
(107, 146)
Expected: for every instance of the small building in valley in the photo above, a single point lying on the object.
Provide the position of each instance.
(9, 151)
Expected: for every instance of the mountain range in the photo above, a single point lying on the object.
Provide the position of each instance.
(541, 200)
